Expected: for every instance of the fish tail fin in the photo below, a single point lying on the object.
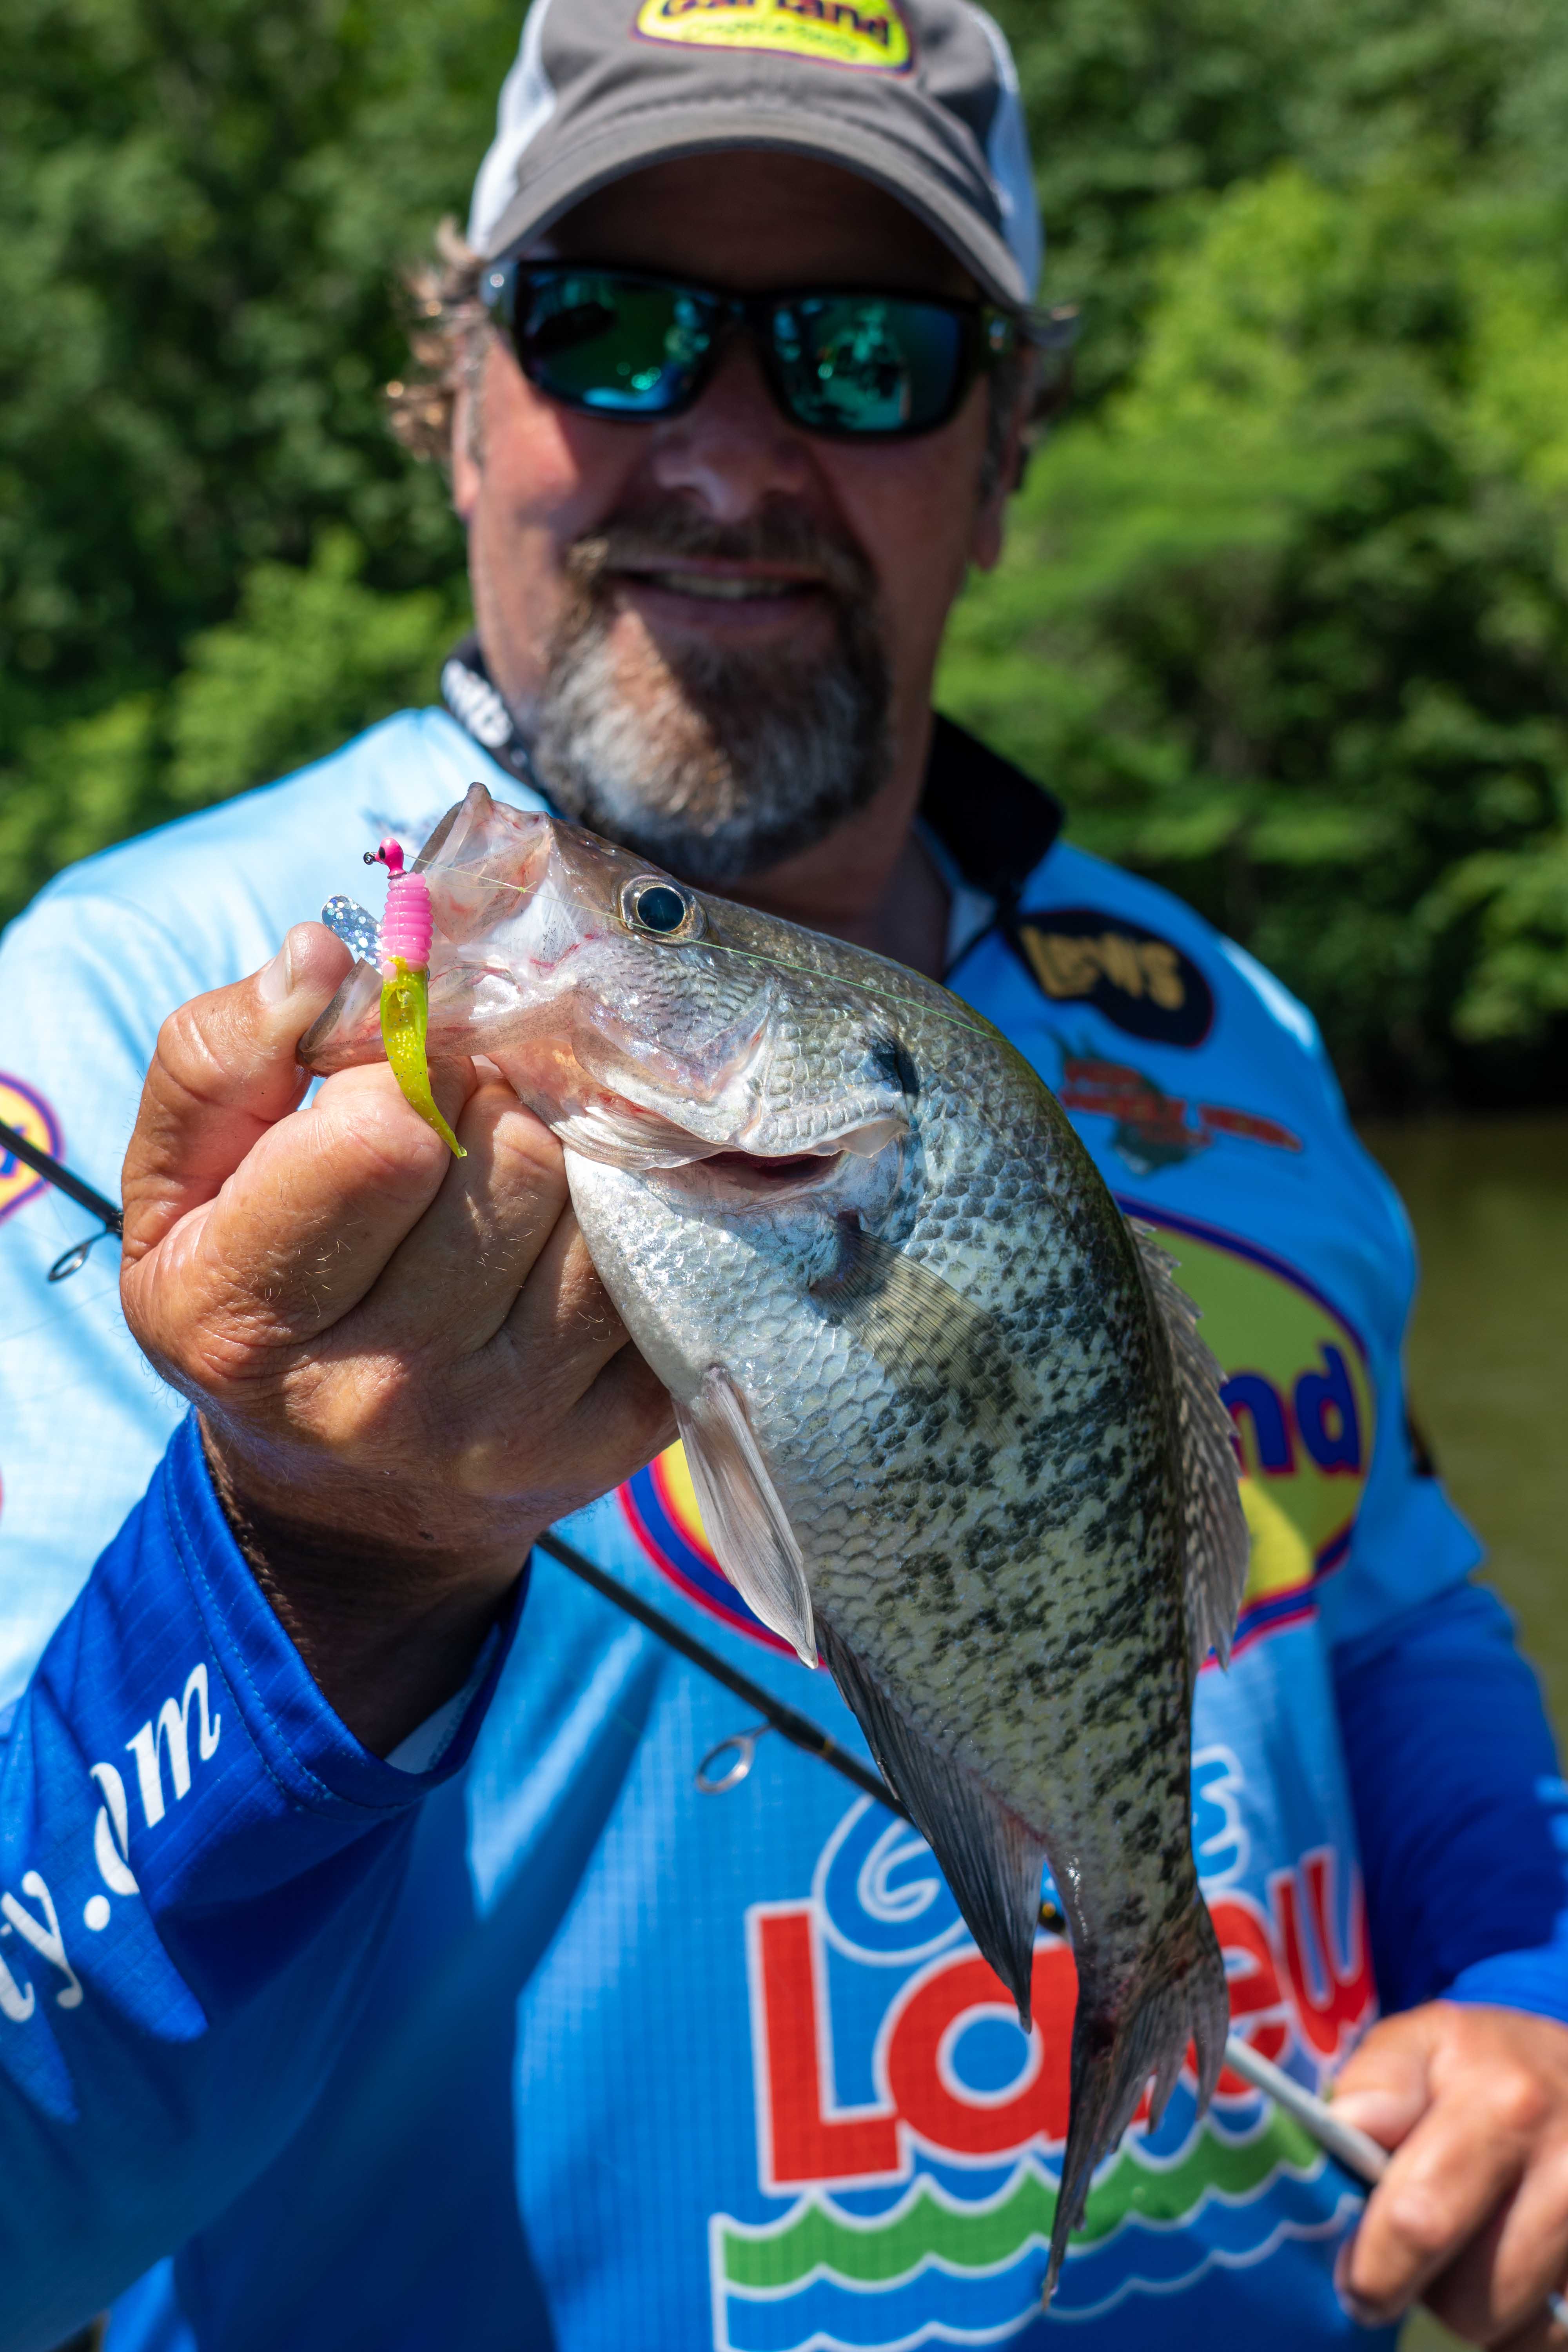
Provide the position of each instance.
(1117, 2046)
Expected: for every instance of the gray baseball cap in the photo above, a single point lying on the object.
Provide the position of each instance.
(918, 96)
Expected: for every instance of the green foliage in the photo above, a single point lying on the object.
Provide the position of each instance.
(311, 656)
(1285, 619)
(1284, 614)
(205, 207)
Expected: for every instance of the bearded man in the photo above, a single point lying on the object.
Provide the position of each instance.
(373, 1971)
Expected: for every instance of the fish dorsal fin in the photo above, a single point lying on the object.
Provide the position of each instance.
(745, 1521)
(989, 1857)
(921, 1329)
(1215, 1536)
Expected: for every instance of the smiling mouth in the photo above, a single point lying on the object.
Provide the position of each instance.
(721, 588)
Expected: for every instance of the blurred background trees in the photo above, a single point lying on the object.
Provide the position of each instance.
(1285, 615)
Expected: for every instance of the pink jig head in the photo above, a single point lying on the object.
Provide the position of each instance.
(405, 932)
(405, 927)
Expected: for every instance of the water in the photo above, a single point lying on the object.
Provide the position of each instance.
(1488, 1349)
(1488, 1367)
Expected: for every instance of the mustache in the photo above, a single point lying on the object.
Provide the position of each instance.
(778, 534)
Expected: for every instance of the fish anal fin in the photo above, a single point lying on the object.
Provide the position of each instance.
(921, 1330)
(745, 1521)
(1216, 1543)
(991, 1859)
(1181, 1996)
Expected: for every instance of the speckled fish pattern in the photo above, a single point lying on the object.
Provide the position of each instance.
(948, 1350)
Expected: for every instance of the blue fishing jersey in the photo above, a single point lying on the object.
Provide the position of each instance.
(522, 2037)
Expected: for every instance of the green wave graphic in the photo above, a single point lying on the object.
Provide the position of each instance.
(873, 2253)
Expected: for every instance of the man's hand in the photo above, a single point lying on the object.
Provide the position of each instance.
(1471, 2217)
(405, 1364)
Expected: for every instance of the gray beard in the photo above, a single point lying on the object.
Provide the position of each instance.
(718, 765)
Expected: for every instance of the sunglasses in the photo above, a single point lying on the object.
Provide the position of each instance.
(856, 366)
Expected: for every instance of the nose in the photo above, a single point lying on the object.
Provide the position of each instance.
(733, 450)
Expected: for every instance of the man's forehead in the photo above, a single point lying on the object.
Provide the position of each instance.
(747, 216)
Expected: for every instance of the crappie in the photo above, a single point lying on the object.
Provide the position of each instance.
(948, 1418)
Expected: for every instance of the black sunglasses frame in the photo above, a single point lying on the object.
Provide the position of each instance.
(989, 336)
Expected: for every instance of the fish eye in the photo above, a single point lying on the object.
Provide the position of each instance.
(651, 904)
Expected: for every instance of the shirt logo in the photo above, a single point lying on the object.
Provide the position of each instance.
(661, 1505)
(908, 2137)
(30, 1115)
(1152, 1129)
(1083, 955)
(867, 35)
(1301, 1399)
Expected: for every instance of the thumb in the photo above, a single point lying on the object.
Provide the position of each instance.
(226, 1069)
(1386, 2087)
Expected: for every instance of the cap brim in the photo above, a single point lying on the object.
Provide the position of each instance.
(662, 137)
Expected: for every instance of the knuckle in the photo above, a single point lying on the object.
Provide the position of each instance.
(1417, 2221)
(388, 1143)
(185, 1051)
(1520, 2101)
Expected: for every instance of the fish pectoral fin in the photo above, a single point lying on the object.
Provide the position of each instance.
(920, 1329)
(991, 1859)
(1216, 1543)
(746, 1522)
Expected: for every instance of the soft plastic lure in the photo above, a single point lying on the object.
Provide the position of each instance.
(405, 986)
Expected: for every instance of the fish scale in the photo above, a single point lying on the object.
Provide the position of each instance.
(945, 1411)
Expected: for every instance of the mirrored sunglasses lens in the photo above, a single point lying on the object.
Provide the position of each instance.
(611, 345)
(868, 364)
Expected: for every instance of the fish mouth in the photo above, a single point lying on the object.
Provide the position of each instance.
(753, 1172)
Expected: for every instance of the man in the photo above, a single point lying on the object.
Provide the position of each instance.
(373, 1971)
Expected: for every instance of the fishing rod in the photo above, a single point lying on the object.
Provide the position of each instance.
(75, 1188)
(1354, 2152)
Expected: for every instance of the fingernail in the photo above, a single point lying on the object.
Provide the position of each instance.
(1362, 2313)
(275, 980)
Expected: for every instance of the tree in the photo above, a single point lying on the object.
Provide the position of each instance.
(1283, 615)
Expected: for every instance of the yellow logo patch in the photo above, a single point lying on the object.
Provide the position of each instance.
(1299, 1395)
(869, 36)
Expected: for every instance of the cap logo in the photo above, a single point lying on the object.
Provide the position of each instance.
(868, 36)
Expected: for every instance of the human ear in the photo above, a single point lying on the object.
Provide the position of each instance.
(990, 521)
(465, 465)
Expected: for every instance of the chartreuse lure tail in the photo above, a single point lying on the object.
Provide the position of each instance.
(405, 988)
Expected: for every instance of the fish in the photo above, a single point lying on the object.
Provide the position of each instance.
(952, 1428)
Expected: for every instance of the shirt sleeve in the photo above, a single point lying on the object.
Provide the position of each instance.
(197, 1864)
(85, 983)
(1461, 1812)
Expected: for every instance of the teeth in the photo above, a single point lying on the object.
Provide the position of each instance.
(724, 591)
